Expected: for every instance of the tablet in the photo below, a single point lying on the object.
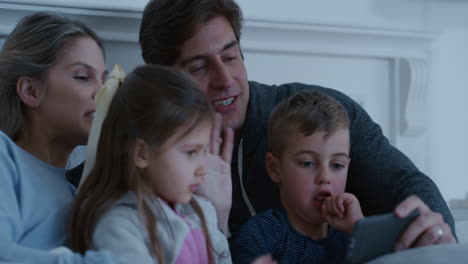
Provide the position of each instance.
(375, 236)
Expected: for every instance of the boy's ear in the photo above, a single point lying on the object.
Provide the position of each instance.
(30, 91)
(141, 154)
(272, 167)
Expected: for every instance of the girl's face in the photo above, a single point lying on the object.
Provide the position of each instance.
(67, 106)
(177, 169)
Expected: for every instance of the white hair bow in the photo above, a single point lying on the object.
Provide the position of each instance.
(103, 100)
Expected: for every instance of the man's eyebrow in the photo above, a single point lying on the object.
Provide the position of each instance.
(201, 56)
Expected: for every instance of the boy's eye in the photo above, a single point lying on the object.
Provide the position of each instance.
(337, 166)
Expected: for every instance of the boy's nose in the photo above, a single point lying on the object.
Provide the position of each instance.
(324, 176)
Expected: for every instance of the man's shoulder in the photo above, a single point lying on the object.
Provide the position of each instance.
(281, 91)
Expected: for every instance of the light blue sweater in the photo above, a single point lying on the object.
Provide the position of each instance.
(35, 201)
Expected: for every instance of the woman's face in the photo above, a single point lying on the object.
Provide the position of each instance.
(67, 106)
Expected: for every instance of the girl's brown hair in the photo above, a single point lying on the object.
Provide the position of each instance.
(151, 104)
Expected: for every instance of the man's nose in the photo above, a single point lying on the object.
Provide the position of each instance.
(222, 78)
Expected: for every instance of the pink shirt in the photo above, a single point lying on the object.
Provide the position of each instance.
(194, 248)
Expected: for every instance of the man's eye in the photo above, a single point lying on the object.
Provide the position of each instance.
(196, 70)
(230, 58)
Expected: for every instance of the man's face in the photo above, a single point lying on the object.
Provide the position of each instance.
(213, 58)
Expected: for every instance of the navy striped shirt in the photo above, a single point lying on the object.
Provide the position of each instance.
(271, 233)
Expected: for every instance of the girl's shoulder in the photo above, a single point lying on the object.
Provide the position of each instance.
(205, 205)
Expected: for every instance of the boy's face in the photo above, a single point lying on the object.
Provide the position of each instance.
(310, 169)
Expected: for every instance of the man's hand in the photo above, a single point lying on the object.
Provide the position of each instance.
(342, 211)
(427, 229)
(265, 259)
(217, 184)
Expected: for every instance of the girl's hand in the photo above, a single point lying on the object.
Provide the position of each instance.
(342, 211)
(217, 184)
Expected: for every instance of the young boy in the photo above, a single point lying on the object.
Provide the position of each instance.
(308, 136)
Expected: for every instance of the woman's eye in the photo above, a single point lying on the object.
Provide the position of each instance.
(81, 78)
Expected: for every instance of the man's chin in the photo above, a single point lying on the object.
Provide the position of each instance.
(235, 124)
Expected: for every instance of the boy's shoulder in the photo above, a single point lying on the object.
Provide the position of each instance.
(271, 222)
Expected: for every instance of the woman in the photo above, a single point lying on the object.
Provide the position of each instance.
(50, 70)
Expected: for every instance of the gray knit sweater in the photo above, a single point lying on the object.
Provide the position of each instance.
(379, 175)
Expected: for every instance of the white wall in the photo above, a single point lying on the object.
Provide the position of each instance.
(448, 123)
(355, 65)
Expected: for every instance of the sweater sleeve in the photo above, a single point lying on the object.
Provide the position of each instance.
(11, 228)
(121, 233)
(380, 175)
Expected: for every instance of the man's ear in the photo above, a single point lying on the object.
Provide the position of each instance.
(272, 167)
(141, 154)
(30, 90)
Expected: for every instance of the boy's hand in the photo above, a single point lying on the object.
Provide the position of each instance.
(342, 211)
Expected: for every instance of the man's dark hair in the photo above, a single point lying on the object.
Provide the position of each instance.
(167, 24)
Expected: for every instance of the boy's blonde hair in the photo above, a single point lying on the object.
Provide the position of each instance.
(307, 112)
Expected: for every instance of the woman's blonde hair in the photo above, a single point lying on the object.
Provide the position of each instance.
(31, 50)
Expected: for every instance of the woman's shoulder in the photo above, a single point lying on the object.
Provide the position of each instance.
(6, 145)
(8, 157)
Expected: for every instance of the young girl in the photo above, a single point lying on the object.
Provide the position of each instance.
(138, 201)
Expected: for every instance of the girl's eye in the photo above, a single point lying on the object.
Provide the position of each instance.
(191, 153)
(307, 164)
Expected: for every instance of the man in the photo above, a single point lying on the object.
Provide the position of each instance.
(202, 37)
